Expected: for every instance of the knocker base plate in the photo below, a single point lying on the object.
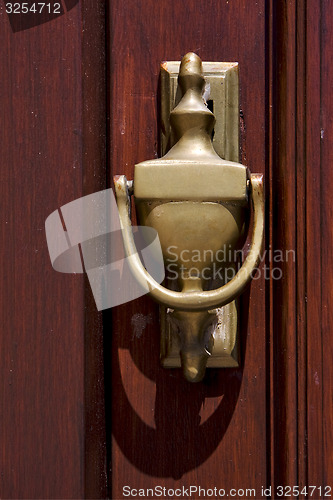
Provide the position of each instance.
(224, 341)
(221, 93)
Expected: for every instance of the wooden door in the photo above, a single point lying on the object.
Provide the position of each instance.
(165, 431)
(52, 127)
(86, 409)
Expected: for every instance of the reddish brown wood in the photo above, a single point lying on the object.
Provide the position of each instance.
(284, 219)
(300, 416)
(269, 422)
(314, 234)
(325, 222)
(94, 132)
(301, 208)
(301, 212)
(270, 20)
(157, 436)
(46, 147)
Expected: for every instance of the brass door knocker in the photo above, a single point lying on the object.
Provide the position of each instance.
(197, 202)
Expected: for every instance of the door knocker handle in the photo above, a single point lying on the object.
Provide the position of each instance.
(195, 299)
(198, 203)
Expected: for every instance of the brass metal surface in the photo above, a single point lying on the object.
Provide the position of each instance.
(222, 338)
(193, 298)
(197, 203)
(197, 179)
(221, 92)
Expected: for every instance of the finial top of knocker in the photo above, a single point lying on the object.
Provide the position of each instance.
(191, 113)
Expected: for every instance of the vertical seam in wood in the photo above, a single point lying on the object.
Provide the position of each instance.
(284, 234)
(321, 241)
(107, 316)
(269, 239)
(93, 179)
(301, 239)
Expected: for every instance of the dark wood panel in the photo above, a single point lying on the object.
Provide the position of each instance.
(314, 270)
(301, 288)
(284, 238)
(326, 186)
(46, 434)
(302, 220)
(42, 324)
(158, 437)
(94, 133)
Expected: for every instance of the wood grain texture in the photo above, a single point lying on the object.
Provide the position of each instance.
(302, 217)
(315, 269)
(94, 133)
(284, 227)
(326, 217)
(271, 420)
(166, 431)
(44, 439)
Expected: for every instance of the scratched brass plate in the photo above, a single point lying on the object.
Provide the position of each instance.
(223, 344)
(221, 93)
